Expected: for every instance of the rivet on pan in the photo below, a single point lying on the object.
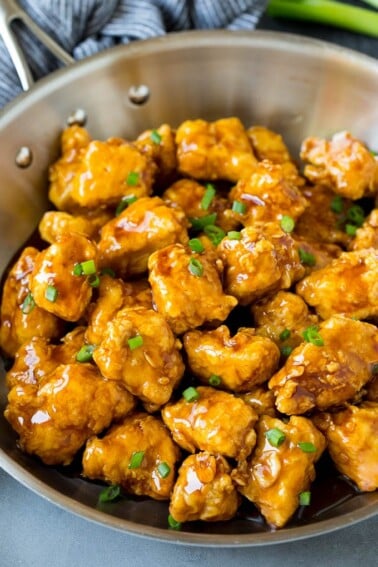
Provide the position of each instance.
(139, 94)
(24, 157)
(78, 116)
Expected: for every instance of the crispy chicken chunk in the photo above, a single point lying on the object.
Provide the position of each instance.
(20, 318)
(239, 362)
(217, 422)
(160, 146)
(55, 417)
(58, 223)
(54, 285)
(261, 400)
(145, 226)
(367, 234)
(348, 285)
(214, 150)
(328, 371)
(92, 174)
(279, 471)
(353, 442)
(263, 261)
(140, 350)
(187, 288)
(137, 454)
(343, 164)
(267, 195)
(204, 490)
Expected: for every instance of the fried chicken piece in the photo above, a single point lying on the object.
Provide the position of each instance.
(263, 261)
(20, 318)
(187, 289)
(346, 286)
(279, 471)
(344, 164)
(267, 195)
(283, 318)
(92, 174)
(261, 400)
(55, 417)
(204, 490)
(57, 223)
(367, 234)
(160, 146)
(214, 150)
(113, 295)
(145, 226)
(353, 442)
(137, 454)
(328, 371)
(217, 422)
(139, 350)
(239, 362)
(54, 285)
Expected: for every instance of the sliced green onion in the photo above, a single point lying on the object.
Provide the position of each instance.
(107, 272)
(191, 394)
(285, 334)
(208, 197)
(199, 223)
(51, 293)
(195, 267)
(78, 270)
(196, 245)
(132, 178)
(135, 342)
(307, 447)
(88, 267)
(239, 207)
(124, 203)
(305, 498)
(286, 350)
(155, 137)
(275, 436)
(374, 368)
(110, 493)
(136, 460)
(173, 524)
(337, 204)
(306, 257)
(234, 235)
(311, 335)
(85, 353)
(94, 280)
(215, 380)
(287, 223)
(163, 469)
(351, 229)
(356, 215)
(215, 233)
(28, 304)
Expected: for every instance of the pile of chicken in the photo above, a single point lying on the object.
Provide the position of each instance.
(119, 326)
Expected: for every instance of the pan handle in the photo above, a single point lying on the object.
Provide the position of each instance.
(9, 12)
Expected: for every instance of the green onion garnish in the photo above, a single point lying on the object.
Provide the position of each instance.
(85, 353)
(337, 204)
(215, 380)
(305, 498)
(275, 436)
(135, 342)
(190, 394)
(215, 233)
(107, 272)
(356, 215)
(94, 280)
(199, 223)
(311, 335)
(307, 447)
(285, 334)
(286, 350)
(374, 368)
(208, 197)
(28, 304)
(78, 270)
(163, 469)
(196, 245)
(239, 207)
(155, 137)
(351, 229)
(234, 235)
(136, 460)
(88, 267)
(124, 203)
(132, 178)
(51, 293)
(306, 257)
(110, 493)
(287, 223)
(195, 267)
(173, 524)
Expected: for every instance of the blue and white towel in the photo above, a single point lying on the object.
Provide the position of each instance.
(84, 27)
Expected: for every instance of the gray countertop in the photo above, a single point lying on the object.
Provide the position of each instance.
(36, 533)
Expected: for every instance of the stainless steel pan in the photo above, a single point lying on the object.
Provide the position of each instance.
(294, 85)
